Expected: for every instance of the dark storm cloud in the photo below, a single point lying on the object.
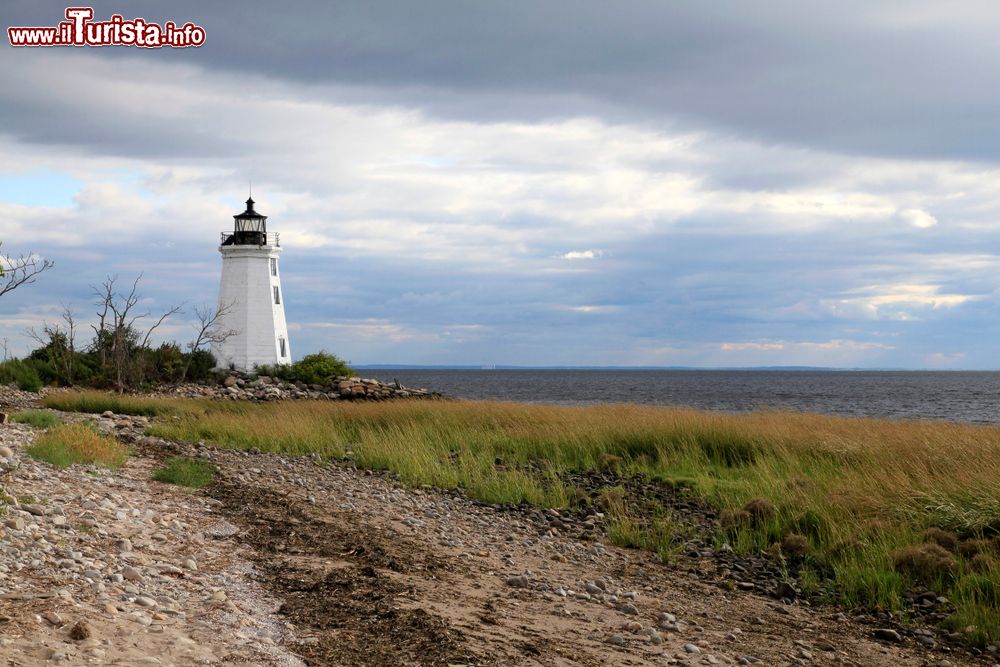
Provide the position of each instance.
(887, 78)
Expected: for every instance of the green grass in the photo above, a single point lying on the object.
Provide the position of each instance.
(183, 471)
(96, 402)
(37, 418)
(66, 444)
(860, 491)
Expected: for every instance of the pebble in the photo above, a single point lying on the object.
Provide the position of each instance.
(888, 635)
(691, 648)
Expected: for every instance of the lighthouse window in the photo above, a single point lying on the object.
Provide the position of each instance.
(274, 266)
(281, 342)
(277, 295)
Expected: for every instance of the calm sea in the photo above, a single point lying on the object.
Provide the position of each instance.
(958, 396)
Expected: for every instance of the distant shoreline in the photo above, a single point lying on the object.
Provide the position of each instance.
(807, 369)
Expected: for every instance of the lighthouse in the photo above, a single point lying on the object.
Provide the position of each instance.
(250, 296)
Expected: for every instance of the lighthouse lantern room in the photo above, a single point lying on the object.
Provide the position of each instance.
(250, 296)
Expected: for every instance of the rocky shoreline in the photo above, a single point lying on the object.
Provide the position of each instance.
(245, 387)
(288, 560)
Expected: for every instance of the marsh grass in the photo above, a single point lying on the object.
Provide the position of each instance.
(856, 490)
(66, 444)
(36, 418)
(96, 402)
(182, 471)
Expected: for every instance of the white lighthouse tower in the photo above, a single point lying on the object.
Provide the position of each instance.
(250, 295)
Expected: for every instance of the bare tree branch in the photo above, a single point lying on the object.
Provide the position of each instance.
(149, 332)
(20, 270)
(120, 338)
(209, 329)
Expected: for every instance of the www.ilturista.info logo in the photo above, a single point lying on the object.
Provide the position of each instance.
(80, 30)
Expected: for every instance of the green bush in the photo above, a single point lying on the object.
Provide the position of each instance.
(20, 373)
(186, 472)
(201, 364)
(37, 418)
(319, 368)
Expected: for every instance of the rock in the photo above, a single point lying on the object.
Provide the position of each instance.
(616, 640)
(144, 601)
(825, 645)
(79, 631)
(35, 510)
(3, 417)
(15, 523)
(785, 590)
(53, 618)
(6, 452)
(629, 608)
(129, 573)
(59, 521)
(190, 564)
(888, 635)
(691, 648)
(519, 581)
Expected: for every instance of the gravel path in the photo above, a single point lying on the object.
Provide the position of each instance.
(287, 561)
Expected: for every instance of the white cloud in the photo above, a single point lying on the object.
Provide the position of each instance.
(917, 218)
(899, 301)
(582, 254)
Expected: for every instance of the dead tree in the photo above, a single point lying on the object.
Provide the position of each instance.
(210, 330)
(20, 270)
(119, 339)
(60, 341)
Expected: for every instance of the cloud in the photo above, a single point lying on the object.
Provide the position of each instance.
(898, 301)
(917, 218)
(944, 359)
(443, 197)
(582, 254)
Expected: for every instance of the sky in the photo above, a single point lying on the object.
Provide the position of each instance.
(565, 182)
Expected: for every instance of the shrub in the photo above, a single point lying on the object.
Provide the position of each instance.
(927, 563)
(982, 563)
(943, 538)
(318, 368)
(183, 471)
(37, 418)
(200, 365)
(733, 520)
(67, 444)
(759, 509)
(794, 546)
(609, 462)
(20, 373)
(969, 548)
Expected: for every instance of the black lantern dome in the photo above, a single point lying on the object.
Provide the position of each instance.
(249, 228)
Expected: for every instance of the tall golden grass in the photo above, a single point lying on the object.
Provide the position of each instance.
(858, 490)
(66, 444)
